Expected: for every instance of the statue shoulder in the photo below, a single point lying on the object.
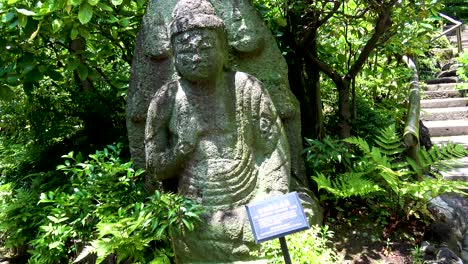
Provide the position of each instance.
(244, 79)
(163, 99)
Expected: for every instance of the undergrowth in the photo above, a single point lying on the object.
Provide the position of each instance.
(102, 211)
(381, 173)
(310, 246)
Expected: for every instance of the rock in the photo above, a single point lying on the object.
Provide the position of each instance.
(446, 256)
(447, 73)
(448, 65)
(424, 136)
(443, 80)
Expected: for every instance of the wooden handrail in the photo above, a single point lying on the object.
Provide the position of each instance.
(411, 133)
(457, 27)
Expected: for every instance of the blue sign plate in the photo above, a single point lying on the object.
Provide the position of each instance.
(276, 217)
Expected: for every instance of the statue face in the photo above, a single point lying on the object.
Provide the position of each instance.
(198, 54)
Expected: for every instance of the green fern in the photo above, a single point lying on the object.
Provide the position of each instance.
(382, 169)
(440, 158)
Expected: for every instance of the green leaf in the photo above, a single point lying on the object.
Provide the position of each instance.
(55, 244)
(8, 17)
(56, 25)
(116, 2)
(74, 33)
(55, 75)
(86, 13)
(82, 71)
(23, 20)
(73, 64)
(74, 2)
(6, 93)
(105, 7)
(93, 2)
(10, 2)
(33, 76)
(25, 12)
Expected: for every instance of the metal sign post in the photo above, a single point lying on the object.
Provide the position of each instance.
(284, 248)
(277, 217)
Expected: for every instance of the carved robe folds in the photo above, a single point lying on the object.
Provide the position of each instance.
(240, 154)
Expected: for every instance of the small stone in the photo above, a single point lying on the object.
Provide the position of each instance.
(427, 248)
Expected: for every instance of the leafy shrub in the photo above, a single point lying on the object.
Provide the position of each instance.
(382, 174)
(462, 70)
(103, 210)
(329, 156)
(310, 246)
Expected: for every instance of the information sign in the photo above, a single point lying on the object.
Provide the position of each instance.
(276, 217)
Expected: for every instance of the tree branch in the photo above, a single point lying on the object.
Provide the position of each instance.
(383, 23)
(325, 68)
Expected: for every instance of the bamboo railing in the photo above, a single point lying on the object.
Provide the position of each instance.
(457, 27)
(411, 133)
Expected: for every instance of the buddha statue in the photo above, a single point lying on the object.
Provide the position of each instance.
(217, 133)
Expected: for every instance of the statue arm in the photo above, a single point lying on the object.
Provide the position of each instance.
(271, 144)
(164, 158)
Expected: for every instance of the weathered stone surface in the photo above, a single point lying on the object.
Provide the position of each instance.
(443, 80)
(219, 134)
(252, 49)
(451, 212)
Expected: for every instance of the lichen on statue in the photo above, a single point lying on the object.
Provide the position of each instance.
(217, 132)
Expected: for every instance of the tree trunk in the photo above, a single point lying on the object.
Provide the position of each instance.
(344, 111)
(312, 87)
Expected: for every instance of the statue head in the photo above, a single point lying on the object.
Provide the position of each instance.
(198, 40)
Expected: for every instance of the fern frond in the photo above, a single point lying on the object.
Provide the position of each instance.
(347, 185)
(443, 157)
(355, 184)
(389, 141)
(359, 142)
(325, 183)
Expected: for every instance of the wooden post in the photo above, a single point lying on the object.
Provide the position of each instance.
(459, 40)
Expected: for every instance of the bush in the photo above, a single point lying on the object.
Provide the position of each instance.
(103, 210)
(310, 246)
(381, 174)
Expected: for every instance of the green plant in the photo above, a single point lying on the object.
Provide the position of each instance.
(327, 155)
(310, 246)
(462, 70)
(417, 255)
(387, 179)
(102, 210)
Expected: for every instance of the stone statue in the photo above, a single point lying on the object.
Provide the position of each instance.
(218, 133)
(252, 49)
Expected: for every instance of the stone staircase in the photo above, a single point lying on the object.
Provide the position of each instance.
(445, 112)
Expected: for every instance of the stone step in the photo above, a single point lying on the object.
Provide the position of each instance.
(458, 172)
(441, 87)
(444, 102)
(444, 94)
(462, 140)
(447, 128)
(460, 169)
(450, 113)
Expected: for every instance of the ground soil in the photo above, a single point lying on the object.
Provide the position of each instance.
(359, 238)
